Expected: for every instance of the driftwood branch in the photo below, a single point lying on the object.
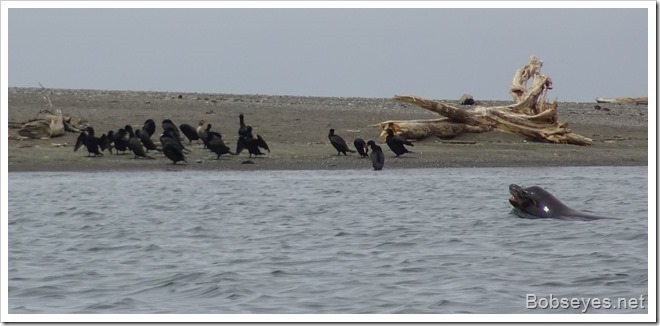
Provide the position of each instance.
(530, 115)
(49, 123)
(624, 100)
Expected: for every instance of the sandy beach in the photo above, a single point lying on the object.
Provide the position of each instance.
(296, 130)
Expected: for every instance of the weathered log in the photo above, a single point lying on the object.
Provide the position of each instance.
(624, 100)
(418, 129)
(530, 115)
(49, 125)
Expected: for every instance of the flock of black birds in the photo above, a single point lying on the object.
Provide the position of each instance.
(394, 142)
(139, 142)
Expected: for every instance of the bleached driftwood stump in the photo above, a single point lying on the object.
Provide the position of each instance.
(530, 115)
(49, 123)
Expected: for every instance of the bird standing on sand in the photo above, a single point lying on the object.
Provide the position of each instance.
(146, 140)
(171, 148)
(396, 143)
(167, 124)
(361, 147)
(91, 142)
(120, 140)
(242, 128)
(201, 131)
(377, 156)
(149, 127)
(217, 145)
(189, 131)
(251, 144)
(135, 144)
(338, 143)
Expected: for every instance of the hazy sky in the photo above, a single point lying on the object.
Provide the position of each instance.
(435, 53)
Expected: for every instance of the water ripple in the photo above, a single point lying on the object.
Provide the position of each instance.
(320, 241)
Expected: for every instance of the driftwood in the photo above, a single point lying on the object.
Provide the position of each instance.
(530, 115)
(48, 124)
(624, 100)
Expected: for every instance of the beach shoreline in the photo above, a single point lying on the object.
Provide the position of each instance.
(296, 130)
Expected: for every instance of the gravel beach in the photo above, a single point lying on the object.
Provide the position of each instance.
(296, 130)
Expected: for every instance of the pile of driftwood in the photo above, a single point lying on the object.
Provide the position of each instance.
(49, 123)
(530, 115)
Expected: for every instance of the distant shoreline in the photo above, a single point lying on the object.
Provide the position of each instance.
(296, 127)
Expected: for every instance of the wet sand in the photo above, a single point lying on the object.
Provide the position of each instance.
(296, 130)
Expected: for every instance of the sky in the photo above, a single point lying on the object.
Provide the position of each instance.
(438, 53)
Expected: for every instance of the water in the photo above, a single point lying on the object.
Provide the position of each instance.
(395, 241)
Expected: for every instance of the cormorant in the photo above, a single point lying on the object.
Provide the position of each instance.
(361, 147)
(120, 140)
(339, 143)
(146, 140)
(149, 127)
(242, 129)
(396, 143)
(134, 143)
(201, 131)
(216, 145)
(208, 134)
(110, 139)
(171, 148)
(189, 131)
(252, 144)
(170, 130)
(168, 124)
(377, 156)
(91, 142)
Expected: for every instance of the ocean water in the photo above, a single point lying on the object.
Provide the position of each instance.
(429, 241)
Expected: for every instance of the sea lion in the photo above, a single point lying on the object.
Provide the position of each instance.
(535, 202)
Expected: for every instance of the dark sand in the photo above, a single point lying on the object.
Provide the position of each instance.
(296, 130)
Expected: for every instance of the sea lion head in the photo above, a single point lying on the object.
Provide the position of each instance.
(521, 198)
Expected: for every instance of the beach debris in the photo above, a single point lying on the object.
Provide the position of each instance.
(624, 100)
(530, 115)
(49, 122)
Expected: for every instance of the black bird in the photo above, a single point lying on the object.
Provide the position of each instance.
(110, 139)
(361, 147)
(171, 148)
(91, 142)
(252, 144)
(189, 131)
(172, 131)
(134, 143)
(339, 143)
(208, 134)
(120, 140)
(149, 144)
(149, 127)
(396, 143)
(377, 156)
(242, 129)
(168, 124)
(216, 145)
